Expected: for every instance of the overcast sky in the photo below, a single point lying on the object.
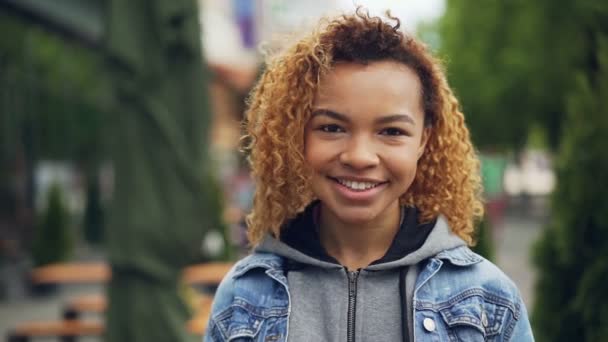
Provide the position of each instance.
(411, 12)
(221, 36)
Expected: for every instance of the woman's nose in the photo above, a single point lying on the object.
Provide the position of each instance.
(359, 154)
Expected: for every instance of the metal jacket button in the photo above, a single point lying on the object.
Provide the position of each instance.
(429, 324)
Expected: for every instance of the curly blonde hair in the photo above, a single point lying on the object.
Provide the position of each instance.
(447, 180)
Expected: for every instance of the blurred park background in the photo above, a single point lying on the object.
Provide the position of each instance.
(119, 133)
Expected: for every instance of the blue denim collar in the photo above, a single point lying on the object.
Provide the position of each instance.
(266, 261)
(460, 256)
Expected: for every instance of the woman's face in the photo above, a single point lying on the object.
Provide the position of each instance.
(364, 139)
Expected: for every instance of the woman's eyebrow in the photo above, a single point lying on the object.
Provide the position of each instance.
(331, 114)
(380, 121)
(396, 118)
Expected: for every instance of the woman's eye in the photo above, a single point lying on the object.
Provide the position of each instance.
(332, 128)
(392, 131)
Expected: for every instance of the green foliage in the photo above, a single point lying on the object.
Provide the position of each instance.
(571, 300)
(53, 89)
(54, 240)
(483, 70)
(485, 244)
(52, 102)
(506, 61)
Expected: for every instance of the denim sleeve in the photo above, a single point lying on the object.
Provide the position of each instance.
(522, 332)
(221, 301)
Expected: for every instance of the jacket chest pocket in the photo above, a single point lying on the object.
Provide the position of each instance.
(478, 316)
(244, 322)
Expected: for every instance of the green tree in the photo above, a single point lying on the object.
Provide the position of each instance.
(54, 240)
(571, 300)
(484, 70)
(508, 62)
(52, 108)
(485, 244)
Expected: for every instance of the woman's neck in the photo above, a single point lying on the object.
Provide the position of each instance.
(358, 245)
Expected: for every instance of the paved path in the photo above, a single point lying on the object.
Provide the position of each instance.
(514, 239)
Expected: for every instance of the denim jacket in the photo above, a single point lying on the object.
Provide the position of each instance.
(458, 296)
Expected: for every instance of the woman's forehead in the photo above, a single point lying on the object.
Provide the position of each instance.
(387, 86)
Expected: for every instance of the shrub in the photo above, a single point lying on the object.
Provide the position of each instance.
(53, 240)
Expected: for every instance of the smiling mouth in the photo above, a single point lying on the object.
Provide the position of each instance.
(357, 186)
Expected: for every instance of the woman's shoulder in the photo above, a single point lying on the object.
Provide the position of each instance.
(256, 260)
(489, 273)
(469, 269)
(248, 272)
(465, 289)
(247, 291)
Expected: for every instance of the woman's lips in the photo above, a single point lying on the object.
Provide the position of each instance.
(356, 194)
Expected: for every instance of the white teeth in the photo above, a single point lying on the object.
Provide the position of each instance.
(357, 185)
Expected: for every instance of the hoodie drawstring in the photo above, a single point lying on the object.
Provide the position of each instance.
(402, 295)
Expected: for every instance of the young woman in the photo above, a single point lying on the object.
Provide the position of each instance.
(367, 191)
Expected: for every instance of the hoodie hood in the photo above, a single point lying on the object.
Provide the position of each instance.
(304, 247)
(271, 245)
(440, 239)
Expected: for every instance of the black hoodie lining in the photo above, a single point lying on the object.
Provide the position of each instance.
(301, 235)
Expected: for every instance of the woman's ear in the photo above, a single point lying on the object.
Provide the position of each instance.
(426, 133)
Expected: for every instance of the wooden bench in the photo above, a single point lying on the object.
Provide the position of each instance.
(82, 273)
(201, 274)
(70, 329)
(97, 303)
(198, 324)
(210, 273)
(72, 273)
(90, 303)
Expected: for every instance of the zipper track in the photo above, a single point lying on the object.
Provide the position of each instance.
(352, 304)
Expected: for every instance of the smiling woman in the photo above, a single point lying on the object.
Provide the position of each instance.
(367, 191)
(363, 155)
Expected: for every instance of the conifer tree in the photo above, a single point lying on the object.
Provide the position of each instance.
(54, 239)
(572, 256)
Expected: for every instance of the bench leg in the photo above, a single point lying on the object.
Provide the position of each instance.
(20, 338)
(69, 314)
(17, 338)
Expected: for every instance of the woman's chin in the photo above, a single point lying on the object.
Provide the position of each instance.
(357, 216)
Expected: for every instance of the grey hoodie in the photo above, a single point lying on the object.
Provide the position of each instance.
(328, 303)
